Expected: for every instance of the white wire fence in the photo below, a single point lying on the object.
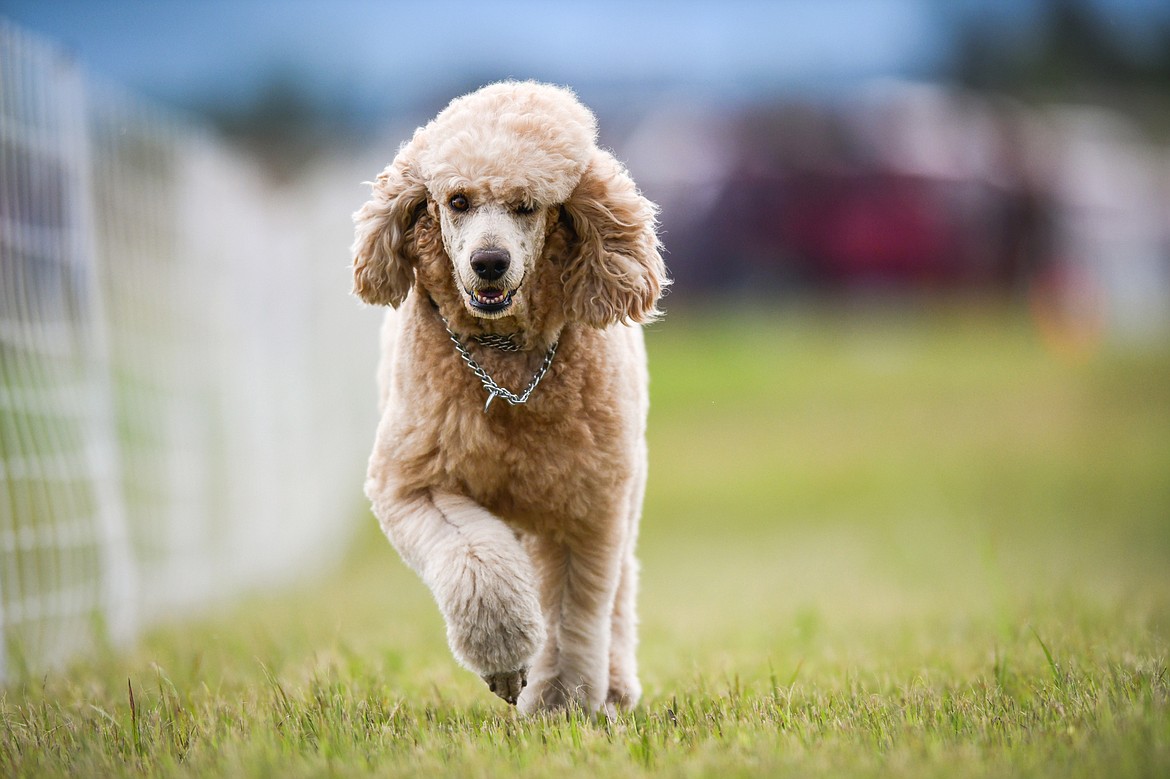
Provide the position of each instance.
(185, 386)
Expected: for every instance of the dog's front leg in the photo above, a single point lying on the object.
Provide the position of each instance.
(579, 582)
(480, 575)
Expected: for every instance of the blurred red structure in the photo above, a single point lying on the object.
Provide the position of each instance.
(911, 187)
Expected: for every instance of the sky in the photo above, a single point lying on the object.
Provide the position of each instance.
(354, 53)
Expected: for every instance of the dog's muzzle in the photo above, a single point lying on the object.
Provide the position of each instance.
(490, 265)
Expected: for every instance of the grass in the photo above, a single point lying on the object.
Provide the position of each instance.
(901, 542)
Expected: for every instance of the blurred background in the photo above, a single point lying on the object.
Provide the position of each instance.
(186, 395)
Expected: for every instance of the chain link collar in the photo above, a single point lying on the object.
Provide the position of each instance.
(495, 390)
(502, 342)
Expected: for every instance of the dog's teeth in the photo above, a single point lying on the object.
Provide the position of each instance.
(493, 299)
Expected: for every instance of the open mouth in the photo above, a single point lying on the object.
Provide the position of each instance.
(490, 300)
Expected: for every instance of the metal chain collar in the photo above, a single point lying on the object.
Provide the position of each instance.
(502, 342)
(495, 390)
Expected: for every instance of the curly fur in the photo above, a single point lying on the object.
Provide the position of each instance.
(522, 520)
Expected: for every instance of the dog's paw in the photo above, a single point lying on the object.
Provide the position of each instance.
(493, 624)
(553, 694)
(546, 694)
(493, 638)
(508, 685)
(624, 692)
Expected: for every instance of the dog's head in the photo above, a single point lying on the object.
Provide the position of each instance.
(504, 207)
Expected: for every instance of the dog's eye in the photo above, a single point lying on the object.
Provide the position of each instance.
(525, 209)
(459, 202)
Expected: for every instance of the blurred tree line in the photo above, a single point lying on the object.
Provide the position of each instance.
(1074, 45)
(1075, 51)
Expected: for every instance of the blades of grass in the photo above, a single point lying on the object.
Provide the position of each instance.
(280, 698)
(1056, 675)
(135, 731)
(109, 719)
(795, 674)
(1001, 668)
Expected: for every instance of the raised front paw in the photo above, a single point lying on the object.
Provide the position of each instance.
(508, 685)
(486, 639)
(493, 620)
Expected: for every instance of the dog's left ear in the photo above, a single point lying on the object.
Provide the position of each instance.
(614, 270)
(384, 250)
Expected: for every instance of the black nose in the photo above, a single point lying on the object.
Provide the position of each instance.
(490, 264)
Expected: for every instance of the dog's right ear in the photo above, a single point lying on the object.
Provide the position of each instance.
(384, 252)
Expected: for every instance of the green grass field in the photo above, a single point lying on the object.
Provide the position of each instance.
(906, 543)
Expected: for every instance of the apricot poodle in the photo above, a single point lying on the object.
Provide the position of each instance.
(519, 260)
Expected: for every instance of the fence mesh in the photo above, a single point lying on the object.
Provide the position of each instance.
(184, 385)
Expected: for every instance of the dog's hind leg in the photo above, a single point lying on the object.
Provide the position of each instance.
(480, 576)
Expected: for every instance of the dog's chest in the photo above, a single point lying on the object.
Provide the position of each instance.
(559, 459)
(535, 471)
